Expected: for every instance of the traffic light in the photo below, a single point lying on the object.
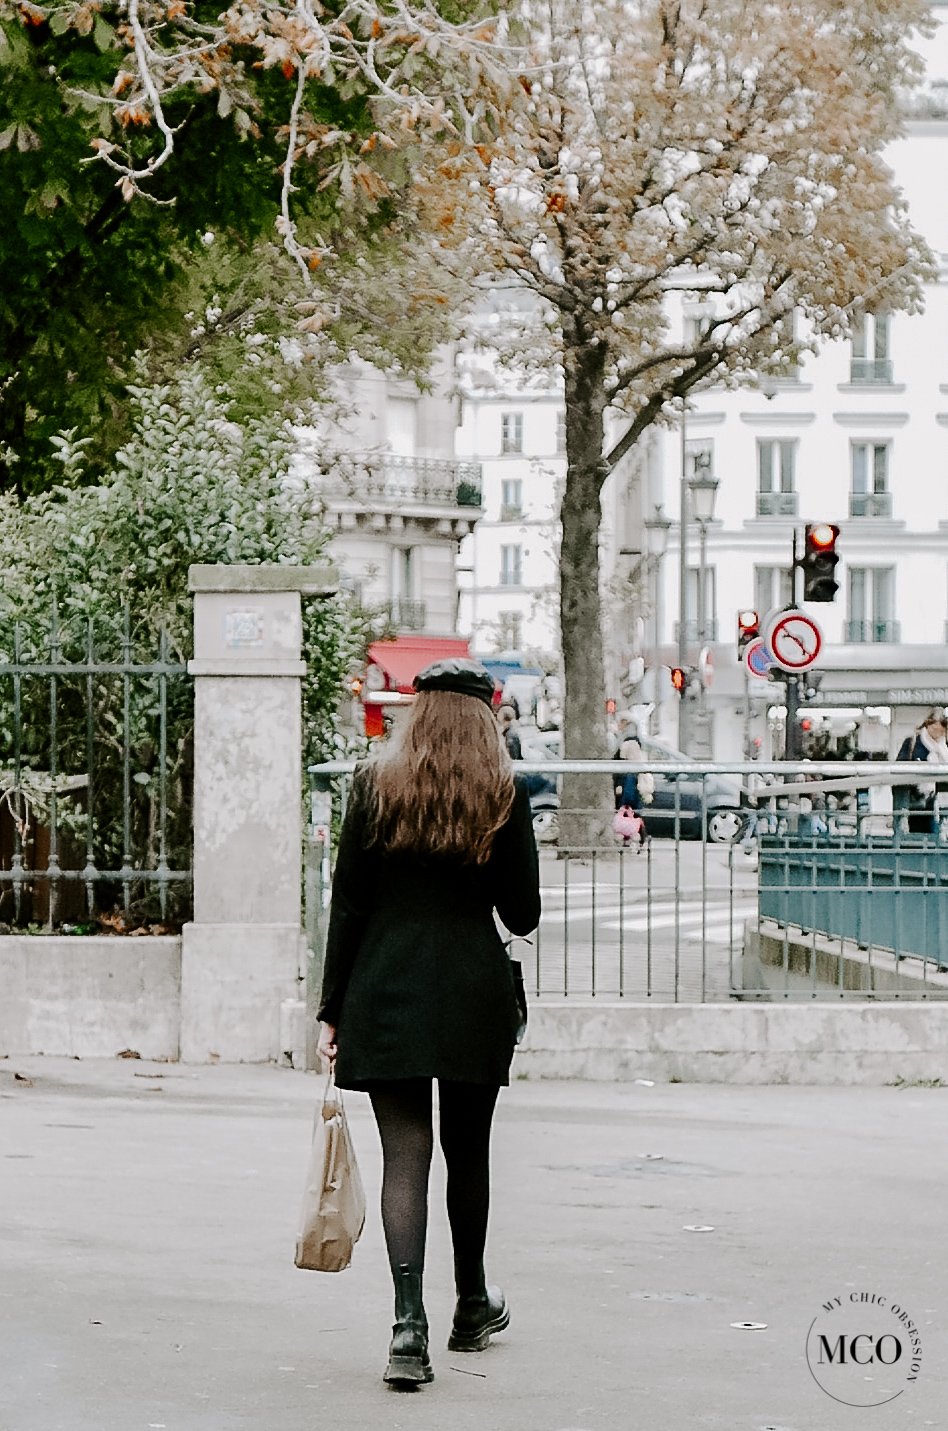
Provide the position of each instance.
(819, 561)
(748, 629)
(679, 679)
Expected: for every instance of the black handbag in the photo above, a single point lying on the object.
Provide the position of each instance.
(520, 994)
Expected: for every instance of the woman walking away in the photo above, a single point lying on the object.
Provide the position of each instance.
(418, 985)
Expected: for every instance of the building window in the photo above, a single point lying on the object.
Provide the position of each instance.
(773, 588)
(511, 499)
(404, 572)
(785, 335)
(510, 630)
(406, 612)
(707, 629)
(869, 491)
(776, 475)
(511, 566)
(872, 604)
(511, 432)
(870, 360)
(561, 431)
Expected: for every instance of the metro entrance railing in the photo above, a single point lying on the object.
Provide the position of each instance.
(826, 892)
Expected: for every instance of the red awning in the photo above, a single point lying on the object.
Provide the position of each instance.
(403, 658)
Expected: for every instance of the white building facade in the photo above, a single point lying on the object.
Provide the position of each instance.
(859, 439)
(509, 565)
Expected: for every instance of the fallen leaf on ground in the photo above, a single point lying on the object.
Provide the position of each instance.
(22, 1078)
(128, 1053)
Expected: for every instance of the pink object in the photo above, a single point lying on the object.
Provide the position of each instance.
(628, 825)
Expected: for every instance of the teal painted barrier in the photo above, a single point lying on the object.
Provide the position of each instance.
(880, 893)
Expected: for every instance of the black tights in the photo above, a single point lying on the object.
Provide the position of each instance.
(402, 1109)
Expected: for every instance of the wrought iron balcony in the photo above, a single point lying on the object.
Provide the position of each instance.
(407, 615)
(776, 504)
(870, 504)
(872, 632)
(692, 637)
(388, 479)
(870, 370)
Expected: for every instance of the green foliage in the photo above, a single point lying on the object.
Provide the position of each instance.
(92, 277)
(191, 485)
(87, 274)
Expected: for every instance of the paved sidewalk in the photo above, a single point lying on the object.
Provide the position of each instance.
(147, 1218)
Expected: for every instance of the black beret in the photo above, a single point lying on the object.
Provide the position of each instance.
(455, 673)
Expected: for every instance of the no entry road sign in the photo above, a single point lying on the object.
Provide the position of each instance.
(794, 639)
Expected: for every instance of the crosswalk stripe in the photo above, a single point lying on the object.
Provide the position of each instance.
(641, 919)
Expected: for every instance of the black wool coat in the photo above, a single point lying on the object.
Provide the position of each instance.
(417, 979)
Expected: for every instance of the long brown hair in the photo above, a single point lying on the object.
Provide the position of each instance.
(442, 784)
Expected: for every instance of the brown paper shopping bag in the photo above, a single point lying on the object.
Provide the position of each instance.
(334, 1201)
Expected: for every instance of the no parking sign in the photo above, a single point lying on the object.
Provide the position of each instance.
(758, 659)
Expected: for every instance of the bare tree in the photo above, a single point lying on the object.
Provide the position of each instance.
(731, 150)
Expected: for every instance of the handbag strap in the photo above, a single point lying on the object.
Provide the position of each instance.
(332, 1086)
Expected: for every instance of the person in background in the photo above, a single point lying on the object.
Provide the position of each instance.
(929, 743)
(633, 791)
(507, 718)
(418, 984)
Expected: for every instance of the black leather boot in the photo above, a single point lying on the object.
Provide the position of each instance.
(408, 1361)
(480, 1310)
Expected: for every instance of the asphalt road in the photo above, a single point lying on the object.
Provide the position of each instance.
(147, 1219)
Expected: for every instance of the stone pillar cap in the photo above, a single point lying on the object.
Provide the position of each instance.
(308, 580)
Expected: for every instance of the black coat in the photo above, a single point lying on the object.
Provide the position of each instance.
(417, 979)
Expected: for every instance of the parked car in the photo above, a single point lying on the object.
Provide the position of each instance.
(676, 805)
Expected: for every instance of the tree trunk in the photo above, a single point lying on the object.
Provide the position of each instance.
(587, 800)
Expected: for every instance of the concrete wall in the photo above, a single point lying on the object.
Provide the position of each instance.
(838, 1043)
(90, 997)
(93, 997)
(772, 967)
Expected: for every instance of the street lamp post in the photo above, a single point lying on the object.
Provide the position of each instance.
(683, 574)
(656, 537)
(703, 490)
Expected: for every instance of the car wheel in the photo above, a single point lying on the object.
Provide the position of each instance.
(546, 825)
(725, 826)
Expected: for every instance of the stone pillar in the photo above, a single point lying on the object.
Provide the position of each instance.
(243, 955)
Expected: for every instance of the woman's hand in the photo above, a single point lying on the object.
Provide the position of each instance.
(326, 1046)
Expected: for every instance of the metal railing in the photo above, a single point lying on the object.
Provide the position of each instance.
(752, 882)
(870, 504)
(872, 632)
(870, 370)
(407, 614)
(95, 773)
(393, 479)
(695, 633)
(776, 504)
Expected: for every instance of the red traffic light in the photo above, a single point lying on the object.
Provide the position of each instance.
(748, 628)
(679, 679)
(822, 535)
(819, 561)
